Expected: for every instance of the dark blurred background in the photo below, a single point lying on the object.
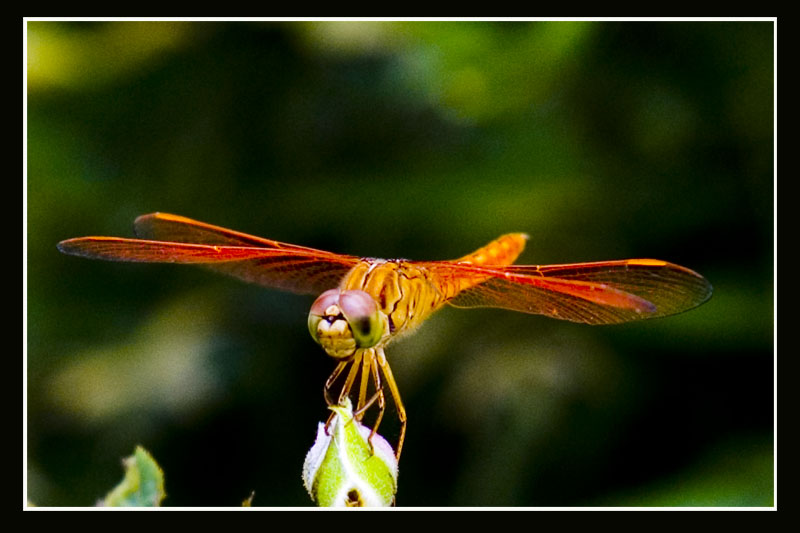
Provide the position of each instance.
(422, 140)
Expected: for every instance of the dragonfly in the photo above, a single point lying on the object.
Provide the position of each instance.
(365, 303)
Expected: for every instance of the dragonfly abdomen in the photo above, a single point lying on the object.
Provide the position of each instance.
(501, 251)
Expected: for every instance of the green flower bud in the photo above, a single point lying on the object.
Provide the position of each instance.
(342, 469)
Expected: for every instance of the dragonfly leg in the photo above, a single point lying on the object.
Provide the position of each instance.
(362, 391)
(351, 377)
(333, 377)
(369, 403)
(376, 377)
(348, 383)
(401, 411)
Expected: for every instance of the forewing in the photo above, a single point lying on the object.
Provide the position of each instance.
(173, 239)
(175, 228)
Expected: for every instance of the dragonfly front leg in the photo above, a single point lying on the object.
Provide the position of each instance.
(348, 383)
(329, 383)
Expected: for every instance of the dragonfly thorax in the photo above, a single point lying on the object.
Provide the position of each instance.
(343, 322)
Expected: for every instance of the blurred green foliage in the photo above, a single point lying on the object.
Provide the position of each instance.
(602, 140)
(142, 486)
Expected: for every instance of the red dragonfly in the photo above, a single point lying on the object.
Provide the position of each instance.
(364, 303)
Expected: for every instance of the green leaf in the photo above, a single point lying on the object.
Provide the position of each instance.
(343, 469)
(142, 486)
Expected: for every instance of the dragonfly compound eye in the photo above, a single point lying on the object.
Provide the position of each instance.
(363, 317)
(342, 322)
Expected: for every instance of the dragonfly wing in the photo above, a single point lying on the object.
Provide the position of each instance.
(253, 259)
(287, 266)
(175, 228)
(606, 292)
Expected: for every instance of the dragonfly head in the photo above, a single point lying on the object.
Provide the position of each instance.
(345, 321)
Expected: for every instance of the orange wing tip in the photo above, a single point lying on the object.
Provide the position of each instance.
(142, 218)
(166, 216)
(647, 262)
(658, 263)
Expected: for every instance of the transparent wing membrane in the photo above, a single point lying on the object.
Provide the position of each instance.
(607, 292)
(174, 239)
